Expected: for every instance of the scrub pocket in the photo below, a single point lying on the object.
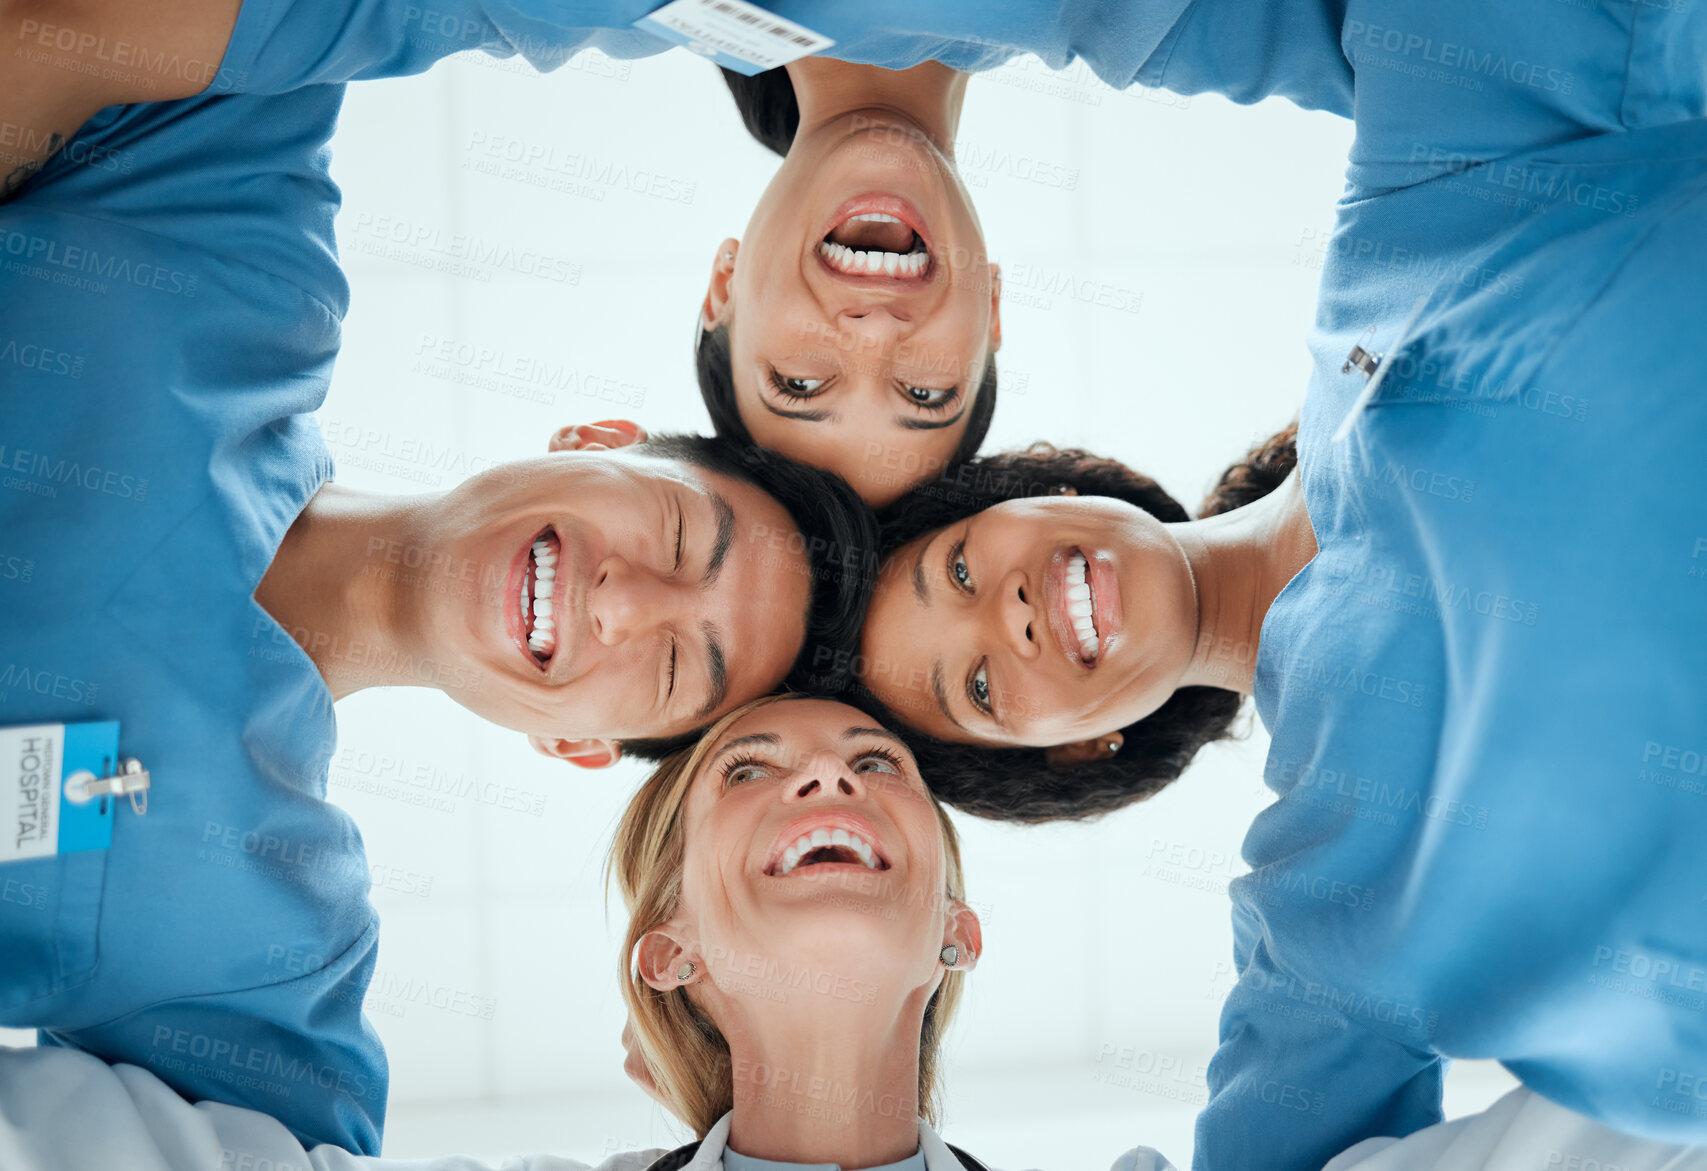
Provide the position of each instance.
(50, 922)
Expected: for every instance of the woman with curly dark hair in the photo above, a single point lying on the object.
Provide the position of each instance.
(997, 631)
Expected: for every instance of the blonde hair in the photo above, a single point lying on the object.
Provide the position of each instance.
(683, 1049)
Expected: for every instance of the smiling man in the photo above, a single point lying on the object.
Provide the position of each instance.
(619, 587)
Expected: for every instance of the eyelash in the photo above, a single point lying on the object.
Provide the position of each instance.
(780, 385)
(950, 397)
(957, 556)
(887, 755)
(670, 690)
(680, 521)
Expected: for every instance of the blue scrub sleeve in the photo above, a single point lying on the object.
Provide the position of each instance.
(1248, 50)
(282, 45)
(298, 1050)
(1295, 1081)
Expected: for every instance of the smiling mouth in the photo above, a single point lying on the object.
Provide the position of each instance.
(539, 589)
(1082, 608)
(827, 847)
(876, 244)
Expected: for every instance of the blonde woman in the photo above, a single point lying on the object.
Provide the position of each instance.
(797, 941)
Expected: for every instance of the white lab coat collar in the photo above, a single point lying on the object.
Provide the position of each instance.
(710, 1155)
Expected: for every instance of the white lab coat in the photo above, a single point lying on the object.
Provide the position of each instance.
(62, 1110)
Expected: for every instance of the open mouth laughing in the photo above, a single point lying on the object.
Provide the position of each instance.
(877, 237)
(539, 597)
(1084, 604)
(820, 841)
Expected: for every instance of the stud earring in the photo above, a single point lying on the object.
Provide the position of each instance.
(729, 256)
(949, 955)
(686, 971)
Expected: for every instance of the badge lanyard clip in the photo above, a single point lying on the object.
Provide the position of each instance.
(1374, 367)
(131, 780)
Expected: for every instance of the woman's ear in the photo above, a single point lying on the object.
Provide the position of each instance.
(1066, 756)
(715, 310)
(663, 955)
(995, 307)
(602, 436)
(580, 753)
(965, 934)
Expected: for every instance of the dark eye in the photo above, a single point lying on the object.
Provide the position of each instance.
(795, 387)
(671, 690)
(931, 398)
(978, 688)
(680, 547)
(957, 567)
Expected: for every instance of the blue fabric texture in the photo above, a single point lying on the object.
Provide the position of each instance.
(1485, 692)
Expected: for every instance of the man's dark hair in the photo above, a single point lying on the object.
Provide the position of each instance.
(767, 105)
(838, 535)
(1021, 784)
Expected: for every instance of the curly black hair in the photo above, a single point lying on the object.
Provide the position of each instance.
(1021, 784)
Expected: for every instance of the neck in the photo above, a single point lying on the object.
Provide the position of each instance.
(1240, 561)
(337, 588)
(827, 1083)
(929, 96)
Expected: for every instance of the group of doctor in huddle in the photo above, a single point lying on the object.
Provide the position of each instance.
(820, 651)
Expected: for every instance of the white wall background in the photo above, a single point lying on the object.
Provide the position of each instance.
(1099, 938)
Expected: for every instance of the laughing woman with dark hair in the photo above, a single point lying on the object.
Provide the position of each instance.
(856, 325)
(1097, 774)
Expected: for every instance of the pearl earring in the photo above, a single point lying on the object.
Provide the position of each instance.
(686, 971)
(949, 955)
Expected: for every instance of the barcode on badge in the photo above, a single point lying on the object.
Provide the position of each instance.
(734, 33)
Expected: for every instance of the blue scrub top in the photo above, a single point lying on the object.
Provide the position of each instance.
(1486, 692)
(170, 307)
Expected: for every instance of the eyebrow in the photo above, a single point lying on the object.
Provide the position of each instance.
(902, 421)
(919, 586)
(932, 424)
(884, 732)
(769, 738)
(941, 693)
(725, 538)
(718, 668)
(803, 416)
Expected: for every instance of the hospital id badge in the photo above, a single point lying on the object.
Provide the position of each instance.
(737, 35)
(59, 788)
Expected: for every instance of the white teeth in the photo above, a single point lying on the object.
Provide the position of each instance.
(541, 609)
(820, 838)
(1081, 607)
(857, 262)
(874, 217)
(545, 624)
(544, 572)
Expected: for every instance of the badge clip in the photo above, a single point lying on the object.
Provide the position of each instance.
(131, 780)
(1370, 365)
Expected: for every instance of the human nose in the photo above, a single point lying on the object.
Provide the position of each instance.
(824, 775)
(1015, 616)
(875, 324)
(627, 601)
